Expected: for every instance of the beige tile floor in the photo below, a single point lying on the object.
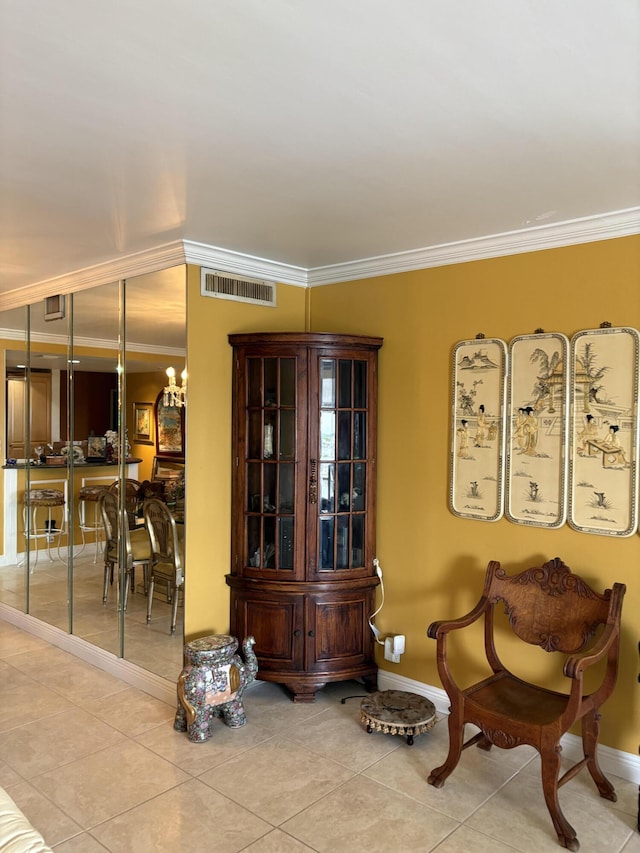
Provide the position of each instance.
(96, 765)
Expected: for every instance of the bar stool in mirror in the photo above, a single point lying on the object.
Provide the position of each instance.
(89, 517)
(44, 517)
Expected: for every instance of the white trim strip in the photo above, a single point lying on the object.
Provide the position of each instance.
(614, 761)
(605, 226)
(146, 681)
(622, 223)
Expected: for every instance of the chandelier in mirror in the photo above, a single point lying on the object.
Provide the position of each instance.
(173, 394)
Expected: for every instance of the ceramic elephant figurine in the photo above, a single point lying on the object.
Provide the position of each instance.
(212, 684)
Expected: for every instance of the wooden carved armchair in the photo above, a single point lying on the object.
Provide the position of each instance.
(550, 607)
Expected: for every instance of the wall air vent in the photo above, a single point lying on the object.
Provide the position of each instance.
(221, 285)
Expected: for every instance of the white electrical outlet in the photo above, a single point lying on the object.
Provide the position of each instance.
(398, 644)
(389, 652)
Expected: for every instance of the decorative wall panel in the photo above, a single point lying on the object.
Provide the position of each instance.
(603, 476)
(477, 436)
(537, 430)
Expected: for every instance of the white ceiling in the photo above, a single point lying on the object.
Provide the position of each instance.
(307, 133)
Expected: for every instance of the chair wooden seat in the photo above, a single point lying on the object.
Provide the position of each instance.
(506, 696)
(550, 607)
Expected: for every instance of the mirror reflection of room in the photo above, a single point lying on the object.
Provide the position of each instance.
(70, 393)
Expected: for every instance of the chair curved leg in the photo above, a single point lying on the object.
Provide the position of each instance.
(174, 611)
(438, 776)
(108, 571)
(150, 596)
(590, 734)
(550, 757)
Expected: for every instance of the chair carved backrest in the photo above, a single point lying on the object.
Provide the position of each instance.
(549, 606)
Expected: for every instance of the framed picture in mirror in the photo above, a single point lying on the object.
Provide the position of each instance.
(143, 423)
(169, 422)
(96, 447)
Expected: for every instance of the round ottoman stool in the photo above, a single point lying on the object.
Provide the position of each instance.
(396, 712)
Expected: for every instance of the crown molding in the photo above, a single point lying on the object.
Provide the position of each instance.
(606, 226)
(239, 264)
(125, 266)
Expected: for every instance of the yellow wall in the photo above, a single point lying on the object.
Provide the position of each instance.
(208, 481)
(433, 562)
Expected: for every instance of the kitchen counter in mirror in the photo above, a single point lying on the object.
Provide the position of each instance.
(88, 463)
(47, 476)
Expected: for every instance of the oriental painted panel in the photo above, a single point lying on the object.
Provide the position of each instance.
(477, 436)
(603, 476)
(537, 430)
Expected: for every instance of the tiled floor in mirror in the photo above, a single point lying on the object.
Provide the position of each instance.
(96, 765)
(151, 646)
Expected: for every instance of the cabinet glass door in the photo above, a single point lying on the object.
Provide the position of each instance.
(271, 445)
(342, 470)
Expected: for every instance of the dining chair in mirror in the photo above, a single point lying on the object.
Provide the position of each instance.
(167, 556)
(137, 549)
(131, 499)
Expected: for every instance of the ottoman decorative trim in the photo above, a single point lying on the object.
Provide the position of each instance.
(396, 712)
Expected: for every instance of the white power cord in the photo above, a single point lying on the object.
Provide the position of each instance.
(376, 632)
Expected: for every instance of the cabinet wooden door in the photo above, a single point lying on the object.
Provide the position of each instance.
(276, 620)
(303, 505)
(338, 637)
(40, 411)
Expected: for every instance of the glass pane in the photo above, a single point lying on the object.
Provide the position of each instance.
(269, 558)
(255, 434)
(287, 433)
(359, 435)
(342, 551)
(327, 383)
(287, 381)
(268, 448)
(285, 488)
(327, 435)
(253, 540)
(344, 487)
(344, 435)
(270, 381)
(327, 487)
(254, 369)
(360, 384)
(326, 542)
(357, 541)
(254, 489)
(269, 495)
(344, 384)
(286, 543)
(359, 486)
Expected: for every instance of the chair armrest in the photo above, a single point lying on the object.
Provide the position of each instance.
(575, 665)
(438, 629)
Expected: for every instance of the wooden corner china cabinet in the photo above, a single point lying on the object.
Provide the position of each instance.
(303, 505)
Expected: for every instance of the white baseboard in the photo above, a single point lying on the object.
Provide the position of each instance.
(613, 761)
(626, 765)
(134, 675)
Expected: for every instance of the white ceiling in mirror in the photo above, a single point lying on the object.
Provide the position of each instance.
(155, 322)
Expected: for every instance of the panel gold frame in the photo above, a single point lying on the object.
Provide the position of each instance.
(603, 474)
(537, 430)
(477, 429)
